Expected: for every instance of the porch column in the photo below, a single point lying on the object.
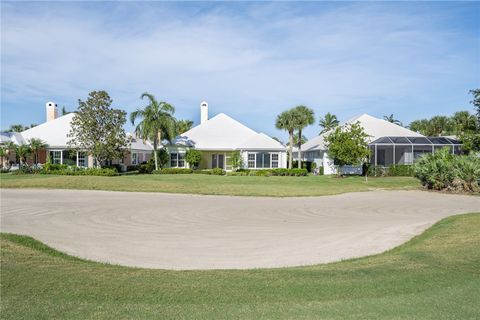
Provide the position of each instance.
(394, 160)
(375, 154)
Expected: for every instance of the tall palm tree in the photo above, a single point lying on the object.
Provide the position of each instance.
(10, 148)
(304, 117)
(157, 122)
(3, 154)
(392, 119)
(439, 125)
(286, 121)
(463, 121)
(328, 122)
(35, 146)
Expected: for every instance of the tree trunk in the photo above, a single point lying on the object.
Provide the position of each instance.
(299, 148)
(155, 143)
(290, 153)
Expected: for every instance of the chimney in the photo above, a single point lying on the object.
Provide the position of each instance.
(203, 112)
(52, 111)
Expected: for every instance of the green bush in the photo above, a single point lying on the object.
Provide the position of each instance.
(132, 168)
(26, 170)
(173, 171)
(147, 167)
(444, 170)
(218, 172)
(401, 171)
(278, 172)
(193, 157)
(76, 171)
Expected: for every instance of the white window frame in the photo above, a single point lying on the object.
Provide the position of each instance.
(52, 158)
(255, 154)
(85, 159)
(272, 161)
(134, 158)
(180, 157)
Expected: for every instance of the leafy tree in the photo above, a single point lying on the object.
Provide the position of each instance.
(476, 103)
(64, 111)
(286, 121)
(304, 117)
(157, 122)
(35, 146)
(392, 119)
(97, 128)
(3, 154)
(182, 126)
(439, 126)
(237, 161)
(295, 139)
(348, 145)
(328, 122)
(463, 122)
(193, 157)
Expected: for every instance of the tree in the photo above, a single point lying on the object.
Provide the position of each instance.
(476, 103)
(420, 126)
(162, 157)
(439, 126)
(182, 126)
(348, 145)
(286, 121)
(237, 161)
(328, 122)
(392, 119)
(157, 122)
(64, 111)
(193, 157)
(304, 117)
(295, 139)
(3, 154)
(16, 128)
(97, 128)
(35, 146)
(463, 122)
(23, 151)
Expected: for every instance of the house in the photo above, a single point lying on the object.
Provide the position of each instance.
(54, 133)
(217, 138)
(389, 144)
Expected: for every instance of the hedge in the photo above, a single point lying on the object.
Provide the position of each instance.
(173, 171)
(270, 172)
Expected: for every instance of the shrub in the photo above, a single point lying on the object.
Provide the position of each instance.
(298, 172)
(147, 167)
(27, 170)
(132, 168)
(401, 171)
(117, 167)
(443, 170)
(76, 171)
(218, 172)
(173, 171)
(193, 157)
(278, 172)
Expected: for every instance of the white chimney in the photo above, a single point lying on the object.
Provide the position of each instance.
(52, 111)
(203, 112)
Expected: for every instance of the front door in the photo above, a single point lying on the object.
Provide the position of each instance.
(218, 161)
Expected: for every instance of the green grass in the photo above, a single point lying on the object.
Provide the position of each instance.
(434, 276)
(205, 184)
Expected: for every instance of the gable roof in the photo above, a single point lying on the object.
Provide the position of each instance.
(225, 133)
(374, 127)
(53, 132)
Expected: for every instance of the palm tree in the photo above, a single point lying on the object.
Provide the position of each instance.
(304, 117)
(392, 119)
(439, 125)
(17, 128)
(9, 148)
(157, 122)
(35, 146)
(286, 121)
(463, 122)
(328, 122)
(182, 126)
(420, 126)
(23, 151)
(3, 154)
(295, 139)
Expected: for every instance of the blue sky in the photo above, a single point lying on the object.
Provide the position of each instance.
(249, 60)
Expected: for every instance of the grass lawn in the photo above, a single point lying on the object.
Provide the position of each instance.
(434, 276)
(205, 184)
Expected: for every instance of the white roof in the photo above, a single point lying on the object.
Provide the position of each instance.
(374, 127)
(224, 133)
(6, 137)
(55, 132)
(139, 144)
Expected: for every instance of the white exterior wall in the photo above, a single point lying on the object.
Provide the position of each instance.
(328, 166)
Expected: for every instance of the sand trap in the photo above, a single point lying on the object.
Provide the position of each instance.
(218, 232)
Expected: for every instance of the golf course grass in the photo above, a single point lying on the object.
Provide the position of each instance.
(434, 276)
(214, 185)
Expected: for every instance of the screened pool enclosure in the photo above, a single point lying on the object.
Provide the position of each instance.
(388, 151)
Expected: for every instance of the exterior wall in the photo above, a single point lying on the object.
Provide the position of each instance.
(328, 166)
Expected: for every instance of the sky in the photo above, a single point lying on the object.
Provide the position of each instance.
(250, 60)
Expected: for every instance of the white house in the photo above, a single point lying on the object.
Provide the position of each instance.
(54, 133)
(217, 138)
(390, 144)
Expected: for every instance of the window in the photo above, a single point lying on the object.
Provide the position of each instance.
(134, 158)
(173, 160)
(81, 159)
(274, 160)
(177, 160)
(251, 160)
(181, 160)
(56, 157)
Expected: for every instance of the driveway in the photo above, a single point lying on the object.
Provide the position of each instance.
(174, 231)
